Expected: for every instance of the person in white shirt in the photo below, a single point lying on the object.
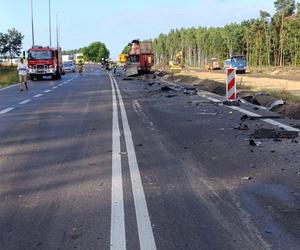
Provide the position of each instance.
(22, 68)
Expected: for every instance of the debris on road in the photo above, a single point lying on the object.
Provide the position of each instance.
(171, 96)
(204, 113)
(242, 126)
(232, 103)
(264, 133)
(276, 104)
(129, 78)
(247, 178)
(165, 89)
(190, 91)
(252, 143)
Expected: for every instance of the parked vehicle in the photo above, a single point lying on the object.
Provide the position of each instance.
(45, 61)
(69, 66)
(79, 57)
(122, 58)
(213, 64)
(239, 63)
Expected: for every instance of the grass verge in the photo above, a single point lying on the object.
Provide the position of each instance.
(8, 75)
(283, 95)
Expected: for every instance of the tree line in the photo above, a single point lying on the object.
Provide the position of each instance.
(96, 52)
(11, 43)
(265, 41)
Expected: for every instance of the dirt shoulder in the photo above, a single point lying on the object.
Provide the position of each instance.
(257, 81)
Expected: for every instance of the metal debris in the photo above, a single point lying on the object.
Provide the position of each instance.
(232, 103)
(276, 104)
(264, 133)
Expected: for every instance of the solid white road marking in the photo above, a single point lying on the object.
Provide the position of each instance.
(117, 233)
(25, 101)
(281, 125)
(4, 111)
(145, 232)
(8, 87)
(38, 95)
(269, 121)
(47, 91)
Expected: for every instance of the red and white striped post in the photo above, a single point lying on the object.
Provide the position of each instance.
(231, 85)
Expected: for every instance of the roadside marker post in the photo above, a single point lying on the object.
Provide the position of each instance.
(231, 91)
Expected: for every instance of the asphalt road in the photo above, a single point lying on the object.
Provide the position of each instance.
(96, 162)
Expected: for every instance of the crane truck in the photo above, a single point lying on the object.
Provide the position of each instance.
(140, 59)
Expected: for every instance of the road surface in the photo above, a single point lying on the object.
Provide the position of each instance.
(96, 162)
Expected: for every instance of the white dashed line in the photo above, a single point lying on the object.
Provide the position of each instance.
(54, 87)
(47, 91)
(25, 101)
(38, 95)
(60, 84)
(4, 111)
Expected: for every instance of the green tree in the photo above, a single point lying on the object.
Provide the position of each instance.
(3, 43)
(95, 52)
(126, 49)
(284, 9)
(267, 40)
(11, 43)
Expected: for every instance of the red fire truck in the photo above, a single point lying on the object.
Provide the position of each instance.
(45, 61)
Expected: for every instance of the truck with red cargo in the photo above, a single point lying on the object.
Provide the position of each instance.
(45, 61)
(140, 59)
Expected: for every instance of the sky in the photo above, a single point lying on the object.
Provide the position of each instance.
(117, 22)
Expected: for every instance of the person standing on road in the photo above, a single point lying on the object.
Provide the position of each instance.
(22, 69)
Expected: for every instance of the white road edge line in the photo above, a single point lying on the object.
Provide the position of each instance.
(117, 231)
(4, 111)
(8, 87)
(145, 231)
(269, 121)
(25, 101)
(38, 95)
(246, 112)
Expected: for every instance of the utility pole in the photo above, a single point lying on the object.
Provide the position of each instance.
(58, 30)
(32, 27)
(50, 22)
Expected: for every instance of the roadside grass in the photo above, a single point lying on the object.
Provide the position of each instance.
(242, 86)
(282, 94)
(8, 75)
